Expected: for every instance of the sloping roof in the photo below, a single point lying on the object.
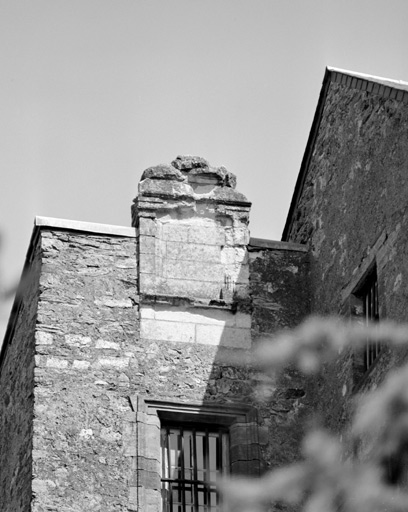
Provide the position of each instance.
(383, 87)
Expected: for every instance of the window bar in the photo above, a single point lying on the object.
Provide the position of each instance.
(182, 484)
(206, 450)
(218, 462)
(163, 441)
(374, 345)
(376, 315)
(225, 452)
(367, 348)
(170, 502)
(195, 458)
(372, 349)
(370, 317)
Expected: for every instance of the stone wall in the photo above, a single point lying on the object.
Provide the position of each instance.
(136, 327)
(195, 321)
(280, 291)
(353, 213)
(193, 231)
(16, 394)
(87, 365)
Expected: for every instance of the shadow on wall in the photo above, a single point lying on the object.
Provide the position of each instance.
(195, 355)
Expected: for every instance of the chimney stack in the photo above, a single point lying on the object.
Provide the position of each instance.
(193, 234)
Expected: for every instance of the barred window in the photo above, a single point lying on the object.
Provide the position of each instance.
(369, 296)
(193, 458)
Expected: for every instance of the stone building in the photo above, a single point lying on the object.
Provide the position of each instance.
(127, 377)
(350, 206)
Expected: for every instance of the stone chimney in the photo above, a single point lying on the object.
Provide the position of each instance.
(193, 233)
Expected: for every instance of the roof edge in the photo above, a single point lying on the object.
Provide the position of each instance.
(307, 154)
(18, 299)
(88, 227)
(259, 244)
(390, 82)
(386, 87)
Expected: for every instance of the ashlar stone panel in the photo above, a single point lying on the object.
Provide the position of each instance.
(196, 325)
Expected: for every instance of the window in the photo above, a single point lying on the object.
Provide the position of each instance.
(178, 451)
(193, 458)
(364, 307)
(369, 297)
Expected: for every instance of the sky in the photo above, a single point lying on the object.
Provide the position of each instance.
(92, 92)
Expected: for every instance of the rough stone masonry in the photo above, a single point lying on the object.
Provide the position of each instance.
(123, 328)
(116, 331)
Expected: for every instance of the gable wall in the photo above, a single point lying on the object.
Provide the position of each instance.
(353, 211)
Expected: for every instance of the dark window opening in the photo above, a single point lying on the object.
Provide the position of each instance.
(369, 297)
(364, 308)
(193, 456)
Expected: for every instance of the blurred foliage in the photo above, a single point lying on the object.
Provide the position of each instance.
(326, 480)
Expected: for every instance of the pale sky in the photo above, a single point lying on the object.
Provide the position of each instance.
(94, 91)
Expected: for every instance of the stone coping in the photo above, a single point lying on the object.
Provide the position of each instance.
(378, 86)
(108, 229)
(261, 243)
(89, 227)
(389, 82)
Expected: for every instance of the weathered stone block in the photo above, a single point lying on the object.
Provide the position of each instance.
(243, 320)
(194, 252)
(194, 315)
(56, 362)
(129, 439)
(112, 362)
(164, 188)
(80, 365)
(244, 452)
(225, 336)
(167, 331)
(148, 441)
(105, 344)
(147, 245)
(163, 172)
(188, 162)
(147, 418)
(149, 479)
(193, 270)
(208, 235)
(146, 312)
(147, 263)
(114, 303)
(44, 338)
(147, 226)
(147, 283)
(133, 499)
(150, 500)
(246, 468)
(150, 465)
(173, 232)
(189, 288)
(77, 340)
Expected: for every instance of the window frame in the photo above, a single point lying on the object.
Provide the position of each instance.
(145, 477)
(368, 294)
(195, 485)
(365, 358)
